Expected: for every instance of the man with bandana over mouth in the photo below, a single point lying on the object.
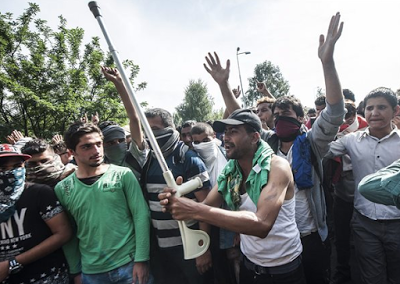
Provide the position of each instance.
(44, 166)
(167, 260)
(116, 147)
(35, 226)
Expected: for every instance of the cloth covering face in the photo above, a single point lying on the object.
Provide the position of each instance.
(212, 157)
(47, 173)
(167, 140)
(12, 184)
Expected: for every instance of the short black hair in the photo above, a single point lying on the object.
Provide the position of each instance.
(385, 93)
(285, 102)
(77, 130)
(320, 101)
(165, 116)
(36, 146)
(106, 123)
(349, 95)
(202, 127)
(311, 110)
(188, 123)
(351, 108)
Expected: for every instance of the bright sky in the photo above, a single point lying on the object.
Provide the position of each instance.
(169, 40)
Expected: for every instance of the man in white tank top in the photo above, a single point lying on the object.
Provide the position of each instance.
(259, 189)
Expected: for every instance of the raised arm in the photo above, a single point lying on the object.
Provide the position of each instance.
(325, 52)
(236, 93)
(221, 76)
(262, 88)
(113, 75)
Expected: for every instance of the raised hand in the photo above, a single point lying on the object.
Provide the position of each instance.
(84, 118)
(261, 87)
(214, 68)
(327, 45)
(95, 118)
(14, 137)
(237, 92)
(111, 74)
(57, 139)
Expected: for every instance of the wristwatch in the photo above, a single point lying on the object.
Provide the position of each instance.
(14, 266)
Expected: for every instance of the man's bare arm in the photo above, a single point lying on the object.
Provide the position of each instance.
(325, 52)
(279, 188)
(61, 233)
(221, 76)
(113, 75)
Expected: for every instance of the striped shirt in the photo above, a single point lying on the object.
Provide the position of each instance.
(166, 228)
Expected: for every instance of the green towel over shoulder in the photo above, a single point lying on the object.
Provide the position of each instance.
(230, 179)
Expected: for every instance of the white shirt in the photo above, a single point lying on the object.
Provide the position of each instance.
(368, 155)
(281, 246)
(305, 221)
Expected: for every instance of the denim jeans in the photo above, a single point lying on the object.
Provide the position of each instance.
(120, 275)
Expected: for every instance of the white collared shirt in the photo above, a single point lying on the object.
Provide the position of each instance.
(368, 155)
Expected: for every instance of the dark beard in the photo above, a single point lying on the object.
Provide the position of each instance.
(97, 164)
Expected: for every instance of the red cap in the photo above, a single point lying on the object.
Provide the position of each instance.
(8, 150)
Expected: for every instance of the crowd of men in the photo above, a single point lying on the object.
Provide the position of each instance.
(278, 187)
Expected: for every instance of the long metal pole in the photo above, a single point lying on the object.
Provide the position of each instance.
(240, 76)
(195, 242)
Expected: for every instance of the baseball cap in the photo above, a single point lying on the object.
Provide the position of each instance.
(239, 117)
(8, 150)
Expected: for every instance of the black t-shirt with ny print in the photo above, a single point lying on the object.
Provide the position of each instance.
(26, 229)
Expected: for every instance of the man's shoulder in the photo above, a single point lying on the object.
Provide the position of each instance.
(119, 172)
(65, 181)
(36, 188)
(114, 168)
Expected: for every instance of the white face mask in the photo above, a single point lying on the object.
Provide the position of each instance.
(208, 151)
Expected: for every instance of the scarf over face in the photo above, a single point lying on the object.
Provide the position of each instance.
(287, 128)
(213, 158)
(12, 185)
(48, 173)
(167, 140)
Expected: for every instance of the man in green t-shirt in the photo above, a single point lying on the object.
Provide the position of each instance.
(111, 216)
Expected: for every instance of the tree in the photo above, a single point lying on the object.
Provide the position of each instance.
(272, 76)
(197, 104)
(48, 79)
(320, 92)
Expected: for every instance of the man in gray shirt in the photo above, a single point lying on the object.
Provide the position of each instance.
(376, 227)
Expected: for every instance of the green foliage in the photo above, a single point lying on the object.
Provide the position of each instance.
(272, 77)
(48, 79)
(197, 104)
(217, 114)
(320, 92)
(177, 119)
